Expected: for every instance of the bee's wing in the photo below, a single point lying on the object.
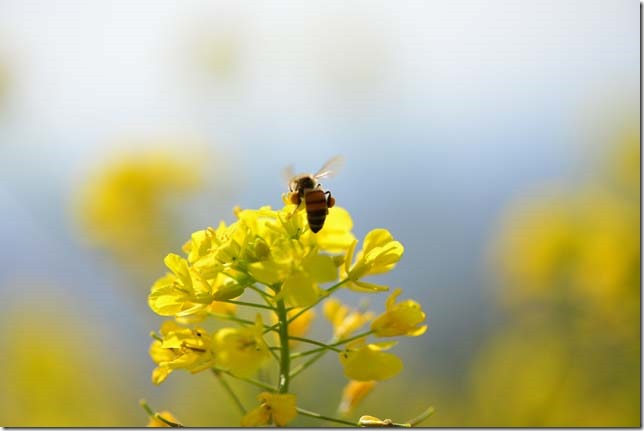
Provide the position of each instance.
(288, 173)
(330, 168)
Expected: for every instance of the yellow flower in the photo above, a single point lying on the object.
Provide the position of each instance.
(300, 270)
(369, 362)
(354, 392)
(184, 291)
(379, 254)
(157, 423)
(301, 286)
(242, 351)
(402, 318)
(344, 320)
(180, 293)
(178, 348)
(278, 408)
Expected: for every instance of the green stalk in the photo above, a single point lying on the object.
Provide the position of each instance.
(308, 363)
(249, 304)
(317, 343)
(421, 417)
(250, 380)
(327, 292)
(330, 346)
(230, 391)
(157, 416)
(239, 320)
(265, 296)
(325, 418)
(285, 358)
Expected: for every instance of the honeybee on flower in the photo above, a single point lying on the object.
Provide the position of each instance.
(306, 188)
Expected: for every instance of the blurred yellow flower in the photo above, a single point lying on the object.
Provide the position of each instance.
(401, 318)
(366, 362)
(344, 320)
(157, 423)
(58, 370)
(570, 266)
(277, 408)
(353, 394)
(180, 348)
(379, 254)
(242, 351)
(581, 249)
(298, 327)
(128, 205)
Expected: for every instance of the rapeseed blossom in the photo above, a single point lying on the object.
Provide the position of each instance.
(401, 318)
(379, 254)
(271, 262)
(276, 408)
(242, 351)
(180, 347)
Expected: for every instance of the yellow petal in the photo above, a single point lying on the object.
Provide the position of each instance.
(369, 363)
(257, 417)
(336, 237)
(159, 374)
(353, 393)
(321, 267)
(300, 290)
(283, 407)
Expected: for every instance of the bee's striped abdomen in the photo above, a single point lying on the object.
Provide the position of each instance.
(316, 209)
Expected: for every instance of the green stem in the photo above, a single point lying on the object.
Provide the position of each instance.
(230, 391)
(271, 350)
(307, 364)
(265, 296)
(157, 416)
(322, 417)
(147, 408)
(239, 320)
(317, 343)
(421, 417)
(327, 292)
(330, 346)
(250, 380)
(249, 304)
(285, 359)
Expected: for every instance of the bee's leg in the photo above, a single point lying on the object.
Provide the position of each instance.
(330, 200)
(296, 200)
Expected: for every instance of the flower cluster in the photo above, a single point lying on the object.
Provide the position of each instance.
(273, 258)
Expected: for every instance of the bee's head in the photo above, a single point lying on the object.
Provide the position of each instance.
(302, 182)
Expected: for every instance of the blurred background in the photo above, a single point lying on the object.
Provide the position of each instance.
(498, 141)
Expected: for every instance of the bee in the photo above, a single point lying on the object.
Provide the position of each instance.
(306, 188)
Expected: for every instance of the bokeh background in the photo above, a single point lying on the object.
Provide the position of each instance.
(499, 141)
